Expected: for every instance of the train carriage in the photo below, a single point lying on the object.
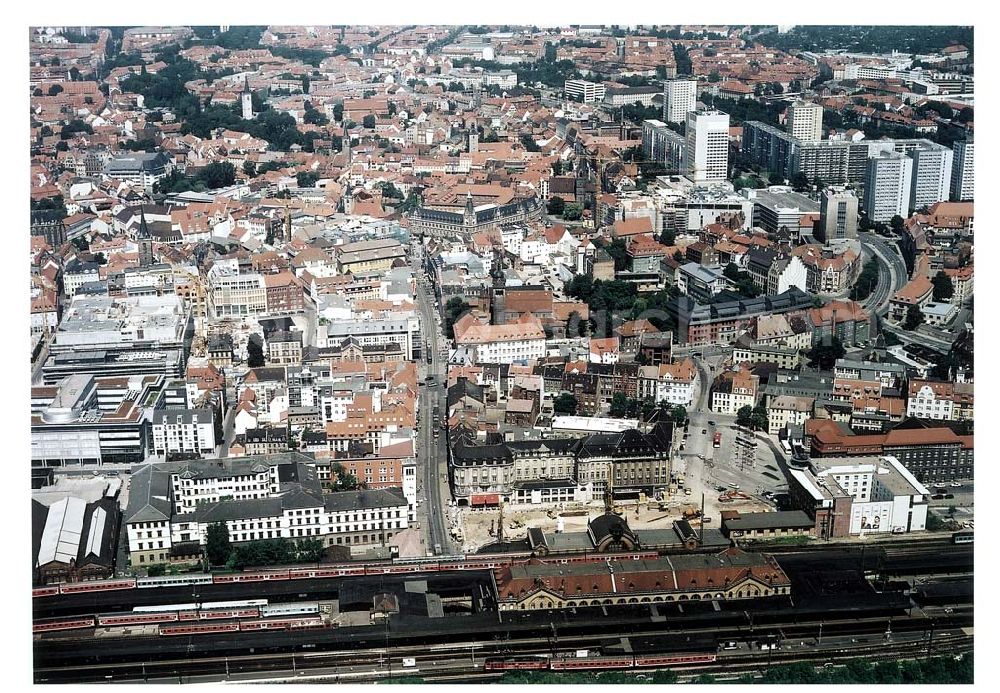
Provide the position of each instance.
(575, 664)
(200, 629)
(516, 663)
(49, 626)
(96, 586)
(673, 660)
(136, 619)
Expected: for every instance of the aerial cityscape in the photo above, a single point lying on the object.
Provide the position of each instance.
(502, 354)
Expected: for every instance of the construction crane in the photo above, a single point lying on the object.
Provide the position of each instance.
(199, 346)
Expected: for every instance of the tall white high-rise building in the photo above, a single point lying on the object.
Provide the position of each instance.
(963, 179)
(931, 178)
(680, 97)
(706, 146)
(804, 120)
(887, 186)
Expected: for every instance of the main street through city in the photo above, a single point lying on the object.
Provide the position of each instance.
(892, 275)
(432, 467)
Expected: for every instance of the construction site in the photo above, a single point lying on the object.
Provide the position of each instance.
(742, 474)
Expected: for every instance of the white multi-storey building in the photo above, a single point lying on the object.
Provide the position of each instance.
(183, 432)
(680, 97)
(520, 341)
(261, 497)
(887, 186)
(963, 179)
(669, 383)
(804, 120)
(932, 173)
(588, 92)
(706, 147)
(237, 295)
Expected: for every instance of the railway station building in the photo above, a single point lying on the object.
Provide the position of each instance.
(728, 575)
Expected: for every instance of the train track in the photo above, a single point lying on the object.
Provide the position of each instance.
(423, 653)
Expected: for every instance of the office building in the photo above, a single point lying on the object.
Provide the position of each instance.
(87, 421)
(680, 97)
(838, 215)
(887, 186)
(804, 121)
(706, 146)
(582, 90)
(963, 179)
(172, 504)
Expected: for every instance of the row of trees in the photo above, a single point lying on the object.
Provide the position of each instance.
(752, 417)
(867, 281)
(220, 551)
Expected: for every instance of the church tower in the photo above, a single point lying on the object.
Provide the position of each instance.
(145, 239)
(470, 212)
(473, 137)
(246, 99)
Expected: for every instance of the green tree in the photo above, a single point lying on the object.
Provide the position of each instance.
(453, 310)
(341, 479)
(776, 179)
(668, 237)
(619, 406)
(156, 570)
(368, 121)
(758, 418)
(572, 212)
(944, 288)
(743, 415)
(217, 546)
(249, 169)
(565, 403)
(309, 551)
(800, 182)
(913, 317)
(219, 174)
(314, 116)
(255, 351)
(338, 112)
(556, 205)
(575, 324)
(824, 355)
(679, 415)
(306, 179)
(867, 281)
(896, 223)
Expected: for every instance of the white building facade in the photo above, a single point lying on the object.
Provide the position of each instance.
(706, 146)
